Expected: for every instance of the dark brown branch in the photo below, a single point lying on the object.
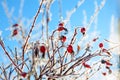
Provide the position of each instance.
(3, 47)
(26, 41)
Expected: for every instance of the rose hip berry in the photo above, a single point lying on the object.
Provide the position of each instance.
(61, 28)
(83, 30)
(23, 74)
(15, 32)
(63, 38)
(70, 49)
(61, 24)
(43, 50)
(15, 25)
(100, 45)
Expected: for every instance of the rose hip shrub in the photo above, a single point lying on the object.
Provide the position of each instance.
(60, 54)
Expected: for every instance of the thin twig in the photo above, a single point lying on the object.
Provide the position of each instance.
(33, 24)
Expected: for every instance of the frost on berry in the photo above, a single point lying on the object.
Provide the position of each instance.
(61, 24)
(15, 25)
(15, 32)
(83, 30)
(70, 49)
(43, 50)
(63, 38)
(60, 28)
(24, 74)
(101, 45)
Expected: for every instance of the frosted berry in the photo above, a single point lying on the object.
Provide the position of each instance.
(83, 30)
(23, 74)
(70, 49)
(61, 24)
(63, 38)
(43, 50)
(60, 28)
(15, 25)
(100, 45)
(15, 32)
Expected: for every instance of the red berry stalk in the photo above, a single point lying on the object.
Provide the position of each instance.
(61, 24)
(63, 38)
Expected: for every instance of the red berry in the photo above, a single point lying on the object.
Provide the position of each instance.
(61, 24)
(70, 49)
(60, 28)
(104, 73)
(83, 30)
(63, 38)
(42, 49)
(23, 74)
(15, 25)
(101, 45)
(15, 32)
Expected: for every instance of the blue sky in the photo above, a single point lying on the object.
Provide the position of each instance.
(30, 7)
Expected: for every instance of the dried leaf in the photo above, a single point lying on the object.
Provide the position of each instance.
(63, 38)
(61, 24)
(78, 47)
